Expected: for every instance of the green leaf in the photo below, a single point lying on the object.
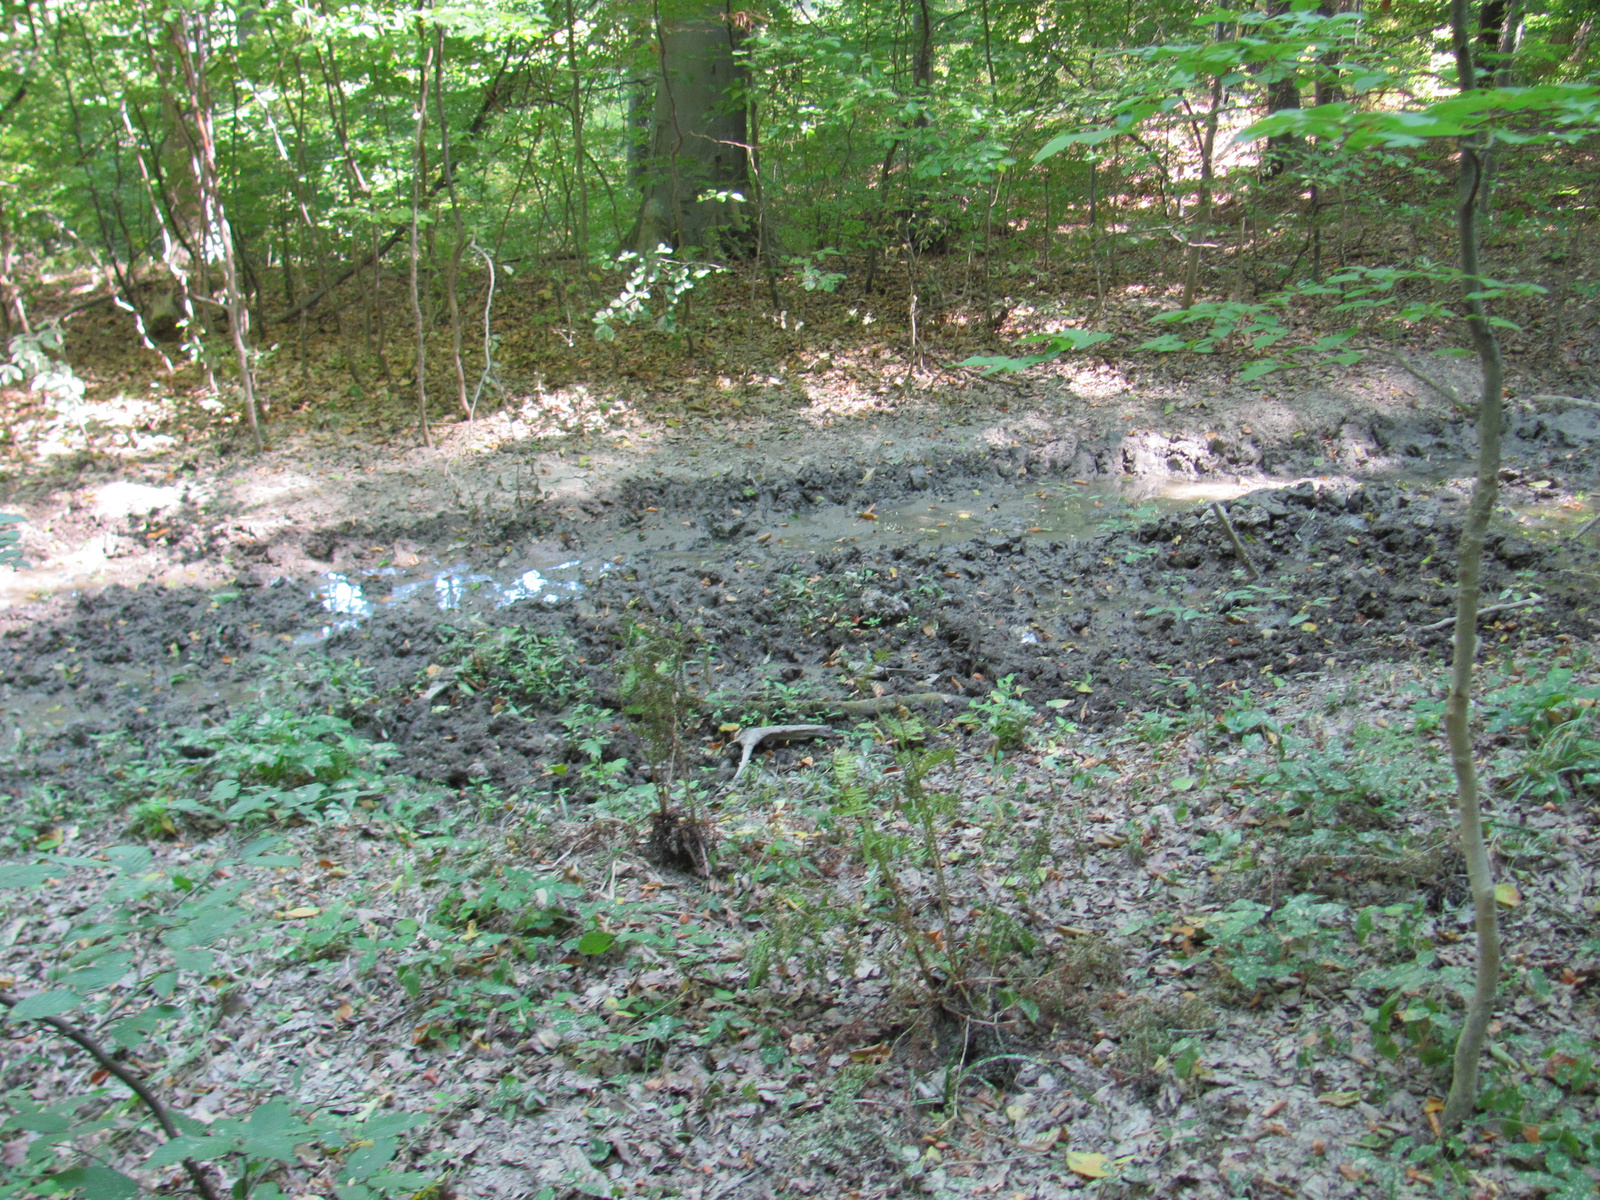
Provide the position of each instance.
(596, 941)
(1166, 343)
(1000, 362)
(102, 974)
(38, 1122)
(188, 1146)
(26, 875)
(96, 1183)
(390, 1124)
(199, 961)
(365, 1161)
(1066, 340)
(46, 1004)
(130, 859)
(1083, 137)
(131, 1031)
(269, 1118)
(1255, 370)
(206, 927)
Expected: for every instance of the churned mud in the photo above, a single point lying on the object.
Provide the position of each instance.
(859, 559)
(817, 567)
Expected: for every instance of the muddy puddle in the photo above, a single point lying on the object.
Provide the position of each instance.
(351, 597)
(1057, 511)
(1099, 594)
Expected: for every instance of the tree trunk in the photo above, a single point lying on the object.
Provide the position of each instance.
(190, 44)
(1202, 214)
(698, 152)
(419, 169)
(1463, 1096)
(1282, 93)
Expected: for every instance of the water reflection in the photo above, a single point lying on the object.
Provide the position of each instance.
(347, 599)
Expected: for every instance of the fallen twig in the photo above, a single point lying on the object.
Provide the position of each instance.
(1545, 401)
(749, 739)
(1484, 612)
(137, 1086)
(1585, 527)
(1444, 389)
(882, 704)
(1238, 546)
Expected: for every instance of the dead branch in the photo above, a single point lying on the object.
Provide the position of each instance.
(202, 1182)
(1238, 546)
(1485, 612)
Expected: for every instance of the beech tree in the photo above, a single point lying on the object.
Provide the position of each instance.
(696, 170)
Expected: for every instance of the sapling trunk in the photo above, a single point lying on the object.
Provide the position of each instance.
(1463, 1096)
(459, 245)
(1202, 212)
(419, 168)
(189, 43)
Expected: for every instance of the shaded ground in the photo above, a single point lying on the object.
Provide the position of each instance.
(469, 605)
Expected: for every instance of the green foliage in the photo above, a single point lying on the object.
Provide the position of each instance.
(1300, 941)
(655, 292)
(654, 685)
(1004, 713)
(10, 556)
(35, 361)
(526, 668)
(272, 761)
(135, 966)
(1068, 341)
(266, 764)
(1552, 727)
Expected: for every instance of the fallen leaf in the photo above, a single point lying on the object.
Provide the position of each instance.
(1090, 1166)
(1507, 895)
(1352, 1173)
(1043, 1142)
(300, 913)
(1340, 1099)
(872, 1054)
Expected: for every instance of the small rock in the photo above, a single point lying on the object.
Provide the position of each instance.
(875, 602)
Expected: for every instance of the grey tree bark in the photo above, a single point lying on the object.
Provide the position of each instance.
(698, 156)
(1463, 1098)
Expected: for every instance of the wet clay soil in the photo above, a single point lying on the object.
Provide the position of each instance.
(867, 562)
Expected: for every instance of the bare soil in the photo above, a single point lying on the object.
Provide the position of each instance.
(821, 556)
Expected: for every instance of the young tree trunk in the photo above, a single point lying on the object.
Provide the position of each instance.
(189, 45)
(1500, 77)
(1282, 93)
(458, 246)
(13, 314)
(1202, 209)
(1463, 1096)
(419, 169)
(576, 101)
(698, 146)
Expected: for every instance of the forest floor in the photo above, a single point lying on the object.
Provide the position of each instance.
(1116, 869)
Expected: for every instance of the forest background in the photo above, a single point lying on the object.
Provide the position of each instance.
(226, 226)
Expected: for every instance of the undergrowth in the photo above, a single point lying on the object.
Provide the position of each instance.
(936, 860)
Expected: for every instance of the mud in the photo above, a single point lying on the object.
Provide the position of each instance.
(1084, 563)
